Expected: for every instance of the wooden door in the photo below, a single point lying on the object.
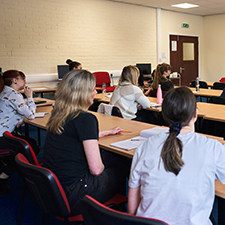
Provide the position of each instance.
(184, 57)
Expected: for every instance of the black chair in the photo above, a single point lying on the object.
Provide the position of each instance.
(202, 84)
(116, 112)
(218, 85)
(19, 145)
(217, 100)
(48, 193)
(95, 213)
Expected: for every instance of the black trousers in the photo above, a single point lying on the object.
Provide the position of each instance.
(10, 167)
(102, 187)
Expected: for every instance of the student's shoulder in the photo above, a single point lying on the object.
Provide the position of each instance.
(86, 116)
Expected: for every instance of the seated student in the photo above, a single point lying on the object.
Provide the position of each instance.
(73, 65)
(173, 174)
(71, 148)
(161, 75)
(128, 96)
(12, 110)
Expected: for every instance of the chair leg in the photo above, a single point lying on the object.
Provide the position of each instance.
(43, 219)
(21, 205)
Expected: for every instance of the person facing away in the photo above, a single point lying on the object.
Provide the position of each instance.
(73, 65)
(127, 94)
(173, 174)
(161, 75)
(12, 110)
(71, 148)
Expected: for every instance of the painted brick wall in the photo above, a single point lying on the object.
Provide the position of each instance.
(37, 35)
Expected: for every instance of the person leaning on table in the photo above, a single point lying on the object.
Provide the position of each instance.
(161, 75)
(173, 174)
(71, 148)
(128, 97)
(12, 110)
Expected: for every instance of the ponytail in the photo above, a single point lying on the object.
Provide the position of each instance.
(171, 153)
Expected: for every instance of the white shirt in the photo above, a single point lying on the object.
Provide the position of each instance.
(126, 96)
(13, 108)
(185, 199)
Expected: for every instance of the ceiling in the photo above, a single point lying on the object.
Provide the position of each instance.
(206, 7)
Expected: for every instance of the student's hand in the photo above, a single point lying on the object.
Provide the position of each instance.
(116, 130)
(139, 106)
(28, 92)
(18, 124)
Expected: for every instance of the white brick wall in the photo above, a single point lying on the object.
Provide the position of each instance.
(37, 35)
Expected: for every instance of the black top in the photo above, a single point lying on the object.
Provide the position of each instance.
(166, 86)
(64, 154)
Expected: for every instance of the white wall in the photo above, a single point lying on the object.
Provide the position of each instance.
(102, 35)
(214, 54)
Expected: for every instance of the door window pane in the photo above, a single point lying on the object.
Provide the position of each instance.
(188, 51)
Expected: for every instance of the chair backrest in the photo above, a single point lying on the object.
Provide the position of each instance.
(19, 145)
(217, 100)
(218, 85)
(102, 77)
(202, 84)
(44, 187)
(222, 80)
(116, 112)
(109, 110)
(95, 213)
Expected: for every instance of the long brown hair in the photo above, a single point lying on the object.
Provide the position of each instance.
(73, 95)
(179, 106)
(158, 77)
(7, 77)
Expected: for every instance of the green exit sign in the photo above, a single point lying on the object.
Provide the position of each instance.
(185, 25)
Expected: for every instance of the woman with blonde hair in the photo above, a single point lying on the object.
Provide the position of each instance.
(71, 148)
(161, 75)
(128, 96)
(173, 174)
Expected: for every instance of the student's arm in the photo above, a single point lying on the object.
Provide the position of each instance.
(93, 156)
(142, 99)
(133, 200)
(27, 109)
(115, 130)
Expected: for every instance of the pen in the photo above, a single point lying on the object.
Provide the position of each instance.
(137, 139)
(125, 131)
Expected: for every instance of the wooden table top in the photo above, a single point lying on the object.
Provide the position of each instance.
(107, 122)
(40, 89)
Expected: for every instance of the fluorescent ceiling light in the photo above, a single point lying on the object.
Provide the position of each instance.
(185, 5)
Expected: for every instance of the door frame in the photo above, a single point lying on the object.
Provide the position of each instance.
(188, 35)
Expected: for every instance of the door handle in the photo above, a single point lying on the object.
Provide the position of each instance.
(181, 69)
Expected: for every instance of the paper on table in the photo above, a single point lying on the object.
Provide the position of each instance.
(136, 141)
(153, 104)
(108, 95)
(129, 143)
(155, 130)
(41, 114)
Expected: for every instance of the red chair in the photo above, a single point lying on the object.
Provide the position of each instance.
(95, 213)
(222, 80)
(103, 77)
(48, 193)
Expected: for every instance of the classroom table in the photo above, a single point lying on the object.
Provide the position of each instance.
(206, 92)
(40, 90)
(108, 122)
